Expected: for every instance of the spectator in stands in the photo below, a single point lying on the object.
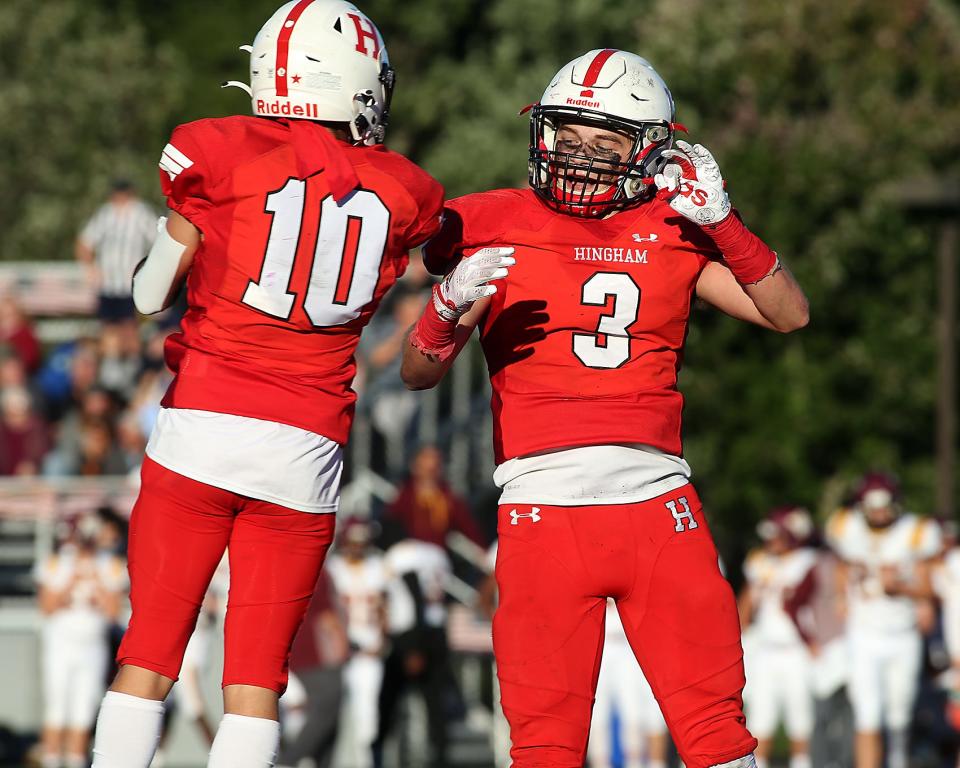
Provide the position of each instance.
(427, 507)
(84, 370)
(17, 333)
(13, 374)
(79, 593)
(391, 405)
(319, 652)
(115, 239)
(23, 435)
(96, 405)
(99, 453)
(131, 441)
(119, 362)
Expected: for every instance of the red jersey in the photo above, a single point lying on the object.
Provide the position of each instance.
(584, 338)
(285, 277)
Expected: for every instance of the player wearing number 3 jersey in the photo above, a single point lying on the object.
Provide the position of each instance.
(288, 227)
(583, 326)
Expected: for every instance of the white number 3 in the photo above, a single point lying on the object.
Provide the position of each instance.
(615, 350)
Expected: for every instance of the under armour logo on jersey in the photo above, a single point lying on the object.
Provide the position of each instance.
(534, 516)
(651, 238)
(682, 516)
(173, 161)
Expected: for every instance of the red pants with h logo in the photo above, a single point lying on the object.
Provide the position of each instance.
(555, 568)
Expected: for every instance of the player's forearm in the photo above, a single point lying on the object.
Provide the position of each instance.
(780, 299)
(83, 252)
(423, 370)
(434, 342)
(157, 279)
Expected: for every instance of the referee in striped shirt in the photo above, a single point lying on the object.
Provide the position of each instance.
(115, 239)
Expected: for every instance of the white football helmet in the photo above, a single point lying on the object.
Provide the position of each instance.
(322, 60)
(612, 89)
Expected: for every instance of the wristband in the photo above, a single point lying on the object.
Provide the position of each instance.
(749, 258)
(433, 334)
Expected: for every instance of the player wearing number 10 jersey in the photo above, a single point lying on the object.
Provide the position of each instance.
(581, 288)
(289, 227)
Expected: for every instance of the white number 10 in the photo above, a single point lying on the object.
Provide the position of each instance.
(346, 258)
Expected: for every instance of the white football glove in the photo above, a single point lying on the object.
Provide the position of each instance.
(470, 280)
(692, 184)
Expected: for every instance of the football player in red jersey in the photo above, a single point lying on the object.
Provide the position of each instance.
(289, 226)
(618, 233)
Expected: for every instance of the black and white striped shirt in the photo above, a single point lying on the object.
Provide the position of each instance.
(120, 235)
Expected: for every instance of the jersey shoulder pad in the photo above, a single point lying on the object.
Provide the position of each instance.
(424, 193)
(475, 221)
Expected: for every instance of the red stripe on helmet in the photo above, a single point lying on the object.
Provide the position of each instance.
(283, 45)
(593, 71)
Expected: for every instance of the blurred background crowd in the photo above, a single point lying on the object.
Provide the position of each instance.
(851, 641)
(838, 128)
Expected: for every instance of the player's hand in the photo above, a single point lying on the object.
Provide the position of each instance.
(470, 280)
(693, 185)
(890, 580)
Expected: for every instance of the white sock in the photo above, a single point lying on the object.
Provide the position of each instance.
(75, 761)
(50, 761)
(800, 761)
(898, 747)
(128, 729)
(658, 764)
(245, 742)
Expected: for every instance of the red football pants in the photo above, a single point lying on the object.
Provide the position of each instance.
(555, 568)
(179, 530)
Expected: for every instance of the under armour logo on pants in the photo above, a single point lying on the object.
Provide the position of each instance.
(534, 516)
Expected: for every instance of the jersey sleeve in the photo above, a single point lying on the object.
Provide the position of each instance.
(185, 175)
(92, 232)
(471, 221)
(430, 210)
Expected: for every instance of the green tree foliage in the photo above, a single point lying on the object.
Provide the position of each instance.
(810, 107)
(83, 97)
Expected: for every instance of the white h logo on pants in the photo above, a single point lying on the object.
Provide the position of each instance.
(681, 515)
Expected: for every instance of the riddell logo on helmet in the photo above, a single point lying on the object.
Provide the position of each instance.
(265, 107)
(584, 103)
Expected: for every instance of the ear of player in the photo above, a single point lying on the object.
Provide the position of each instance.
(692, 183)
(470, 280)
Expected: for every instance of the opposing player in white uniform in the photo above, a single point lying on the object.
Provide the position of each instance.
(945, 579)
(80, 592)
(779, 584)
(887, 556)
(622, 687)
(196, 658)
(360, 580)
